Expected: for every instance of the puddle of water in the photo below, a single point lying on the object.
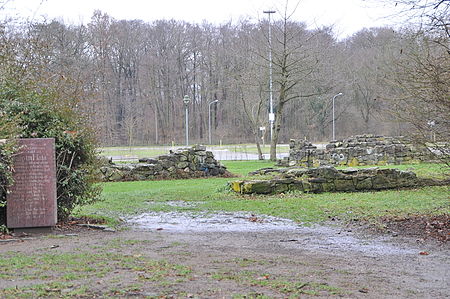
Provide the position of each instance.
(319, 238)
(203, 222)
(334, 240)
(175, 203)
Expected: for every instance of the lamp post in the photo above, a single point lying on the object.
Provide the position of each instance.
(209, 119)
(186, 101)
(271, 114)
(334, 129)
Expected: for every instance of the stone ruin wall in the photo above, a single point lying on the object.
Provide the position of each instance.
(183, 163)
(329, 179)
(357, 150)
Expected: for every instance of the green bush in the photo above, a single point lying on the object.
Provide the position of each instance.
(7, 148)
(38, 116)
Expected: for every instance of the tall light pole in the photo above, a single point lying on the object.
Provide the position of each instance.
(334, 129)
(186, 101)
(271, 114)
(209, 119)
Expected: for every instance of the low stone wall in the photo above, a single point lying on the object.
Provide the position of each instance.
(183, 163)
(329, 179)
(357, 150)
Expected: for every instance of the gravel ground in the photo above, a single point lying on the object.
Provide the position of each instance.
(240, 256)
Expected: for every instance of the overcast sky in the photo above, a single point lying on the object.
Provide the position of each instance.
(348, 16)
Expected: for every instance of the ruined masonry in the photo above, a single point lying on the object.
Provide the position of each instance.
(329, 179)
(183, 163)
(357, 150)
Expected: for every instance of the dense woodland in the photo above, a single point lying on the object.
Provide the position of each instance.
(130, 76)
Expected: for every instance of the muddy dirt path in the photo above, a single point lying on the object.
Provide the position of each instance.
(244, 256)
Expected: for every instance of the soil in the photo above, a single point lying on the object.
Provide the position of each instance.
(252, 256)
(423, 227)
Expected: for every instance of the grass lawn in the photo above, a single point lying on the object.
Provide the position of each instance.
(139, 152)
(211, 194)
(150, 151)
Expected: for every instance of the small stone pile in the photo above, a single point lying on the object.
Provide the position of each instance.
(329, 179)
(183, 163)
(357, 150)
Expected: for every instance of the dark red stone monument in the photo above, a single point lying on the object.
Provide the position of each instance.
(31, 201)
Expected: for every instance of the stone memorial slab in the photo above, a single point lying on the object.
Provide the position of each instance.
(31, 201)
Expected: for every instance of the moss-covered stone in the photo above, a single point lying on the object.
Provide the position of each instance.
(328, 187)
(380, 182)
(363, 183)
(260, 187)
(236, 186)
(296, 186)
(280, 188)
(344, 185)
(323, 179)
(307, 186)
(354, 162)
(183, 165)
(357, 150)
(115, 175)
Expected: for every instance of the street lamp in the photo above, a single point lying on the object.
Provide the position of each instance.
(186, 101)
(209, 119)
(334, 130)
(271, 114)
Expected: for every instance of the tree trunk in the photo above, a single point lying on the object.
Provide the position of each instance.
(276, 131)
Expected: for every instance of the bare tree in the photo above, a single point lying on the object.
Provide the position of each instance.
(421, 75)
(294, 61)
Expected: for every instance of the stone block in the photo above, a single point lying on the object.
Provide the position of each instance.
(164, 174)
(297, 172)
(349, 171)
(280, 188)
(212, 171)
(327, 172)
(363, 183)
(115, 175)
(328, 187)
(306, 186)
(312, 187)
(380, 182)
(138, 177)
(166, 164)
(296, 186)
(199, 147)
(344, 185)
(259, 187)
(236, 186)
(182, 165)
(318, 180)
(145, 167)
(148, 160)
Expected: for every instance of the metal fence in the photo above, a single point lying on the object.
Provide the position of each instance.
(221, 153)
